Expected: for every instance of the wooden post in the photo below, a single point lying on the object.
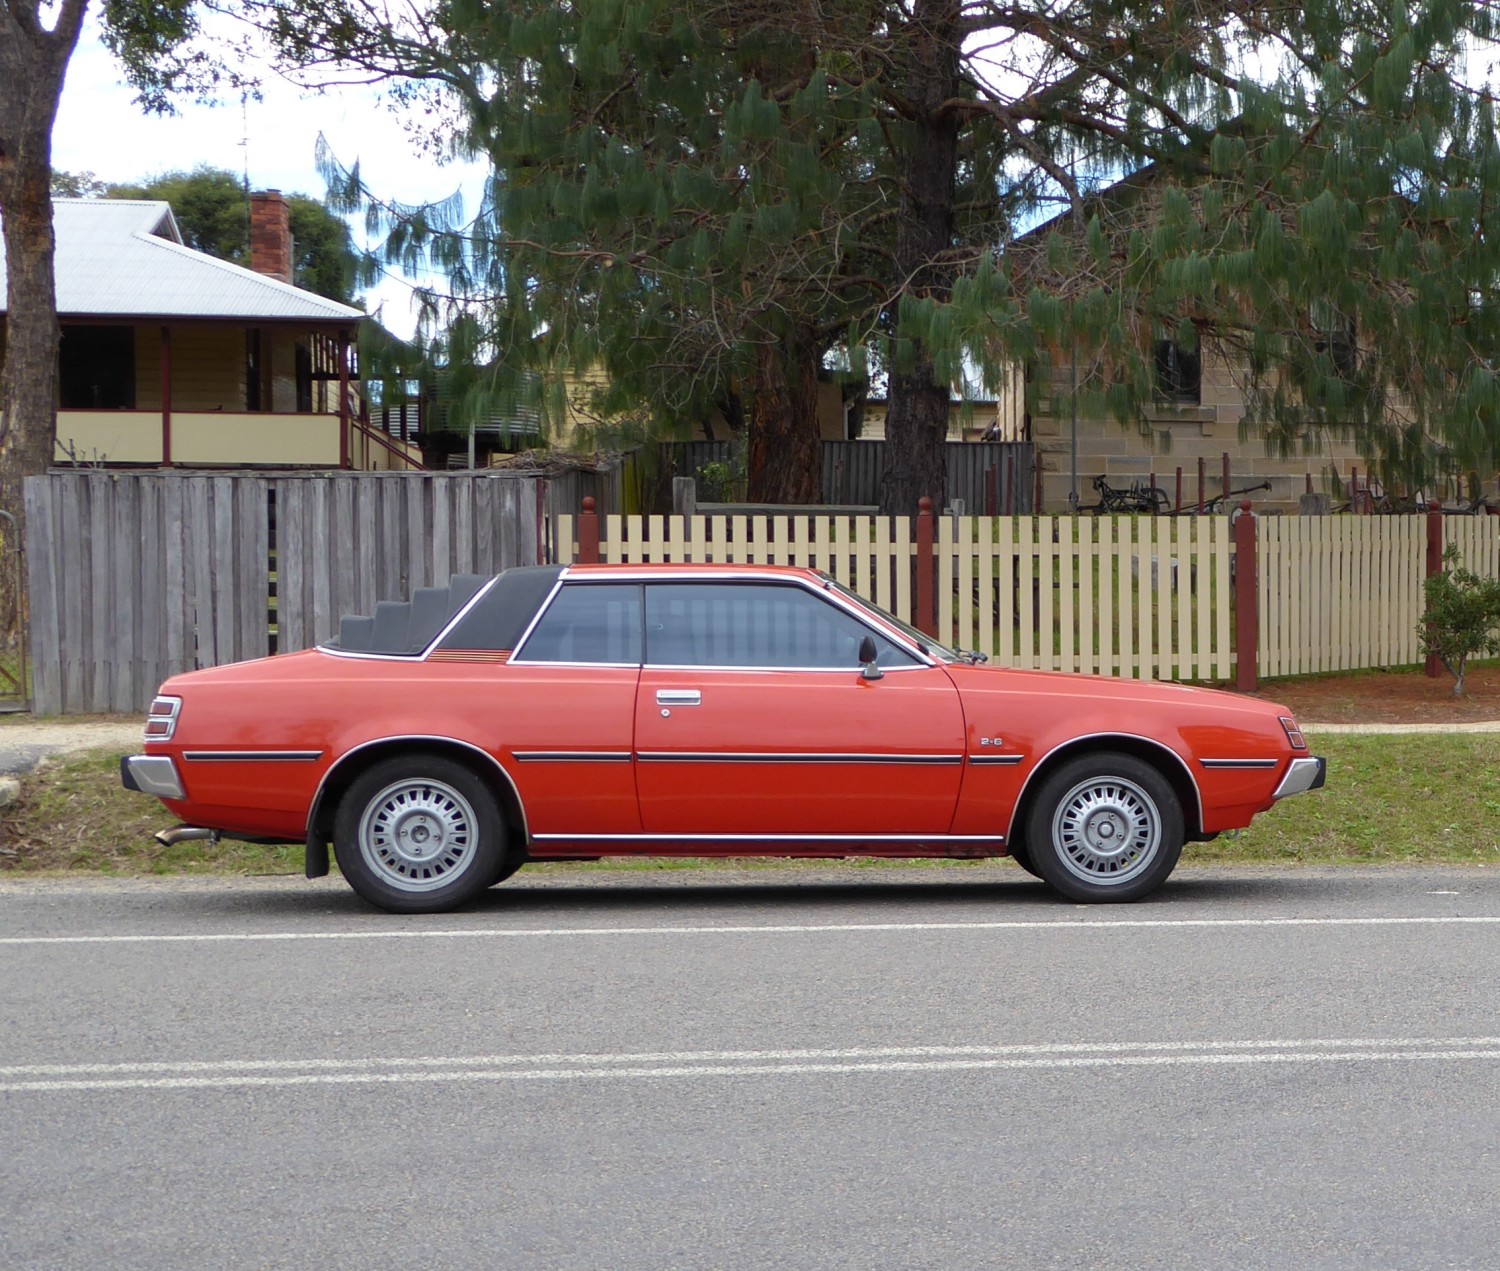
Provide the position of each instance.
(1309, 483)
(588, 533)
(1434, 666)
(926, 593)
(1177, 502)
(166, 397)
(1202, 477)
(1226, 476)
(343, 398)
(1354, 489)
(1246, 601)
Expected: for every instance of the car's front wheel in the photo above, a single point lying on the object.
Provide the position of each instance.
(419, 834)
(1105, 827)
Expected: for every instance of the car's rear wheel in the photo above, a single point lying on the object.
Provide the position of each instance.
(1017, 850)
(419, 834)
(1105, 827)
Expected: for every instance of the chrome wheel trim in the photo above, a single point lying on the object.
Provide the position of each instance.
(1107, 831)
(417, 835)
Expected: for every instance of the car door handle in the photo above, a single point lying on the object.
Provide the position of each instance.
(678, 697)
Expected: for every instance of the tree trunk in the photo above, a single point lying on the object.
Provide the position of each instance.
(786, 449)
(916, 422)
(33, 61)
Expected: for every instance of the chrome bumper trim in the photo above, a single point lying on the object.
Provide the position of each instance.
(151, 774)
(1304, 775)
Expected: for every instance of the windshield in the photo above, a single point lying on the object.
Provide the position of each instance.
(923, 642)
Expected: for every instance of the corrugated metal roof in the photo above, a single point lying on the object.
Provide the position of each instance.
(125, 258)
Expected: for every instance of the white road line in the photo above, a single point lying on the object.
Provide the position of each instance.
(764, 1063)
(513, 933)
(726, 1056)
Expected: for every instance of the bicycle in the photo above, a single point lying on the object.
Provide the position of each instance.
(1149, 500)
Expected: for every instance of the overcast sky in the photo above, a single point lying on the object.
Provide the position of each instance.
(101, 130)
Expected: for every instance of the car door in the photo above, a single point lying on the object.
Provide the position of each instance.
(753, 719)
(568, 714)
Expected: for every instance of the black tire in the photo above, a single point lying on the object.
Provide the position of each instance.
(512, 862)
(419, 834)
(1105, 827)
(1017, 850)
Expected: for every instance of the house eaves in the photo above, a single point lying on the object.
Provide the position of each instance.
(124, 258)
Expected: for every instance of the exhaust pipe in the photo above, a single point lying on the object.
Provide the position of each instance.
(184, 834)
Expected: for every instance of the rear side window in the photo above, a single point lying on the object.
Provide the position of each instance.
(588, 622)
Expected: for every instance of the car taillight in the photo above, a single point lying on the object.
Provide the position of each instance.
(1293, 733)
(161, 719)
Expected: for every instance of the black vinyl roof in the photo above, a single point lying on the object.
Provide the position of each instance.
(497, 620)
(505, 611)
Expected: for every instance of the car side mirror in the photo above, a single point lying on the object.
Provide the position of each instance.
(867, 655)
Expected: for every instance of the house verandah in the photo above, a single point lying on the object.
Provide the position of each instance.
(210, 394)
(170, 357)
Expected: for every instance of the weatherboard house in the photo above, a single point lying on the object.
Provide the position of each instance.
(173, 357)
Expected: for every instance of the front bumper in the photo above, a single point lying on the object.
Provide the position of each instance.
(151, 774)
(1305, 774)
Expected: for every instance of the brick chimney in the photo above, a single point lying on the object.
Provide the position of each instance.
(270, 235)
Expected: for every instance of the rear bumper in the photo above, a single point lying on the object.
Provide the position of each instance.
(151, 774)
(1304, 775)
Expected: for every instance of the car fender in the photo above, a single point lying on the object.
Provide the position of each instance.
(490, 765)
(1099, 740)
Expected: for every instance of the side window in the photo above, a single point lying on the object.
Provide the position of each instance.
(588, 622)
(755, 625)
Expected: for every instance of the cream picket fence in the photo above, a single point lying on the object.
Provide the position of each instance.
(873, 555)
(1122, 596)
(1339, 593)
(1134, 597)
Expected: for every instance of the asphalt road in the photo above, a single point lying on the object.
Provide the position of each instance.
(857, 1068)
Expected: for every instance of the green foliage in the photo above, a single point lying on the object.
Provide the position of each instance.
(1462, 616)
(77, 185)
(688, 193)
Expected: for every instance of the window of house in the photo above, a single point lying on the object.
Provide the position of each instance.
(96, 368)
(304, 379)
(761, 625)
(1179, 373)
(253, 369)
(1334, 334)
(588, 622)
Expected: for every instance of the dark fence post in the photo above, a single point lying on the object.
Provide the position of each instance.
(588, 533)
(926, 612)
(1434, 666)
(1246, 601)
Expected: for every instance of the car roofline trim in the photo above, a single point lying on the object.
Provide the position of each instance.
(459, 616)
(315, 806)
(1073, 741)
(627, 574)
(541, 609)
(421, 654)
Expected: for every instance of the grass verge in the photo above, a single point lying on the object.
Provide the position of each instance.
(1414, 799)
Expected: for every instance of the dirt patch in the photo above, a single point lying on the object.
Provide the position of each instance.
(1389, 697)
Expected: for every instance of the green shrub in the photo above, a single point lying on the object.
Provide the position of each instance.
(1463, 612)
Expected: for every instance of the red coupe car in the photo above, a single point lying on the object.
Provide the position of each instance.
(557, 713)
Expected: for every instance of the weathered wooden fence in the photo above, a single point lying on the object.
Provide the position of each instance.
(135, 577)
(994, 477)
